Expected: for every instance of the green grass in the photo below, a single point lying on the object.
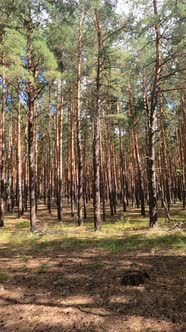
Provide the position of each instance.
(24, 268)
(129, 232)
(4, 276)
(43, 268)
(145, 241)
(22, 224)
(155, 239)
(22, 238)
(97, 266)
(25, 258)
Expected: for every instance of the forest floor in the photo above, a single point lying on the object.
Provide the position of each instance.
(67, 278)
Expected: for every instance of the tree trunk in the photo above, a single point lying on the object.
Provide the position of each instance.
(2, 150)
(183, 114)
(49, 184)
(72, 156)
(60, 195)
(31, 119)
(96, 140)
(19, 162)
(2, 143)
(10, 163)
(153, 213)
(79, 146)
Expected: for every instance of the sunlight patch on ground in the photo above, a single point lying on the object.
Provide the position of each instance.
(77, 300)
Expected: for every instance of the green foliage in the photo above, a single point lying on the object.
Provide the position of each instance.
(44, 59)
(179, 172)
(14, 46)
(13, 50)
(119, 116)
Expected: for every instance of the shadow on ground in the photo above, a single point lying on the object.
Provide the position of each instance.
(67, 279)
(66, 289)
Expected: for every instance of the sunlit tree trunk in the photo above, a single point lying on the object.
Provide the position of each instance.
(26, 177)
(2, 142)
(19, 157)
(31, 119)
(60, 195)
(85, 168)
(10, 163)
(79, 144)
(96, 140)
(183, 114)
(49, 184)
(151, 173)
(72, 155)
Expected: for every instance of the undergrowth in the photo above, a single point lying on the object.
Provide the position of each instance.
(4, 276)
(125, 233)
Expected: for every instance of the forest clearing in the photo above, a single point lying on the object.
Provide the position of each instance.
(92, 165)
(68, 278)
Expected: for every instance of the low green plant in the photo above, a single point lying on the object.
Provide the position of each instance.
(24, 268)
(41, 269)
(25, 258)
(4, 276)
(22, 224)
(97, 266)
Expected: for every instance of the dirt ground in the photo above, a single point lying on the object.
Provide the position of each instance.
(53, 288)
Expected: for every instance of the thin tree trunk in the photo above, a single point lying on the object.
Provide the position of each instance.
(79, 145)
(72, 156)
(165, 168)
(35, 93)
(60, 195)
(49, 184)
(31, 119)
(26, 166)
(153, 212)
(2, 143)
(85, 168)
(19, 162)
(96, 141)
(183, 114)
(10, 162)
(102, 180)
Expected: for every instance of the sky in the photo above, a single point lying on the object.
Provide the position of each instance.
(122, 7)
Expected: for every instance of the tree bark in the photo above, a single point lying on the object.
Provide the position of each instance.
(31, 119)
(79, 145)
(151, 173)
(19, 162)
(60, 195)
(72, 155)
(49, 185)
(96, 140)
(2, 143)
